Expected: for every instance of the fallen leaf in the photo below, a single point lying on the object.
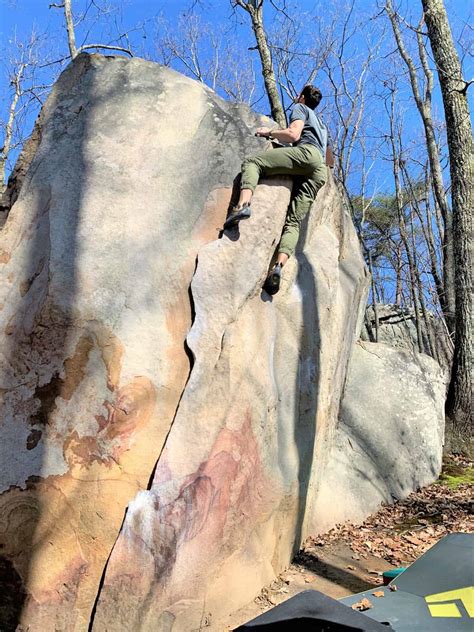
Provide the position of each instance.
(363, 604)
(379, 593)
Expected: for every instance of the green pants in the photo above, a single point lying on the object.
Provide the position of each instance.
(303, 161)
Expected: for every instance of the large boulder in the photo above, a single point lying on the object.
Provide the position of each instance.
(152, 472)
(390, 435)
(397, 328)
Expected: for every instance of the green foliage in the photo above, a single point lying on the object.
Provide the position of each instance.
(377, 219)
(377, 222)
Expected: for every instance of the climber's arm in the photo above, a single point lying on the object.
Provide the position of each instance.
(289, 135)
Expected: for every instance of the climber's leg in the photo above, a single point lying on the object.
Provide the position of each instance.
(297, 161)
(303, 195)
(279, 161)
(301, 202)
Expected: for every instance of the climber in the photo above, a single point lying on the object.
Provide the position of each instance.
(304, 160)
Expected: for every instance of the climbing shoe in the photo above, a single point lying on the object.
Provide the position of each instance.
(272, 283)
(236, 215)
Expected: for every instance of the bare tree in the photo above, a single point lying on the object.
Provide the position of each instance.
(297, 63)
(16, 83)
(255, 10)
(348, 81)
(185, 47)
(454, 92)
(423, 104)
(417, 200)
(394, 137)
(28, 86)
(75, 50)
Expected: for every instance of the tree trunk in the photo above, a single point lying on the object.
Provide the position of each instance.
(424, 108)
(398, 284)
(374, 299)
(401, 220)
(5, 150)
(428, 235)
(255, 9)
(70, 29)
(460, 144)
(267, 69)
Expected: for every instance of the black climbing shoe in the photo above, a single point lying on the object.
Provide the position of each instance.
(272, 284)
(236, 215)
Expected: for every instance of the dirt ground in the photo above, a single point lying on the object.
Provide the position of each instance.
(351, 558)
(331, 569)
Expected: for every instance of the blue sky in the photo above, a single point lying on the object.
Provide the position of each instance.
(21, 14)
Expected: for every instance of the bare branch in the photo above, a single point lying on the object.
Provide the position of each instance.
(104, 46)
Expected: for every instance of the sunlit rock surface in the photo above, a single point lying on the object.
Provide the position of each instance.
(131, 174)
(166, 426)
(235, 487)
(390, 434)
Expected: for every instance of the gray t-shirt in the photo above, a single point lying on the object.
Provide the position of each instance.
(314, 131)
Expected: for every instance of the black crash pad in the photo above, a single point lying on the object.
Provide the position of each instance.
(313, 612)
(434, 594)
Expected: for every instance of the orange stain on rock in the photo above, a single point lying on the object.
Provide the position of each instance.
(214, 510)
(75, 367)
(213, 215)
(127, 415)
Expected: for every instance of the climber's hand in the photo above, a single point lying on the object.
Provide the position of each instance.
(263, 131)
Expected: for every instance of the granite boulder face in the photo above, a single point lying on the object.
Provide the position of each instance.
(164, 422)
(390, 435)
(397, 328)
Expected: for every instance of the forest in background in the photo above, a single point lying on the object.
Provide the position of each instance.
(382, 83)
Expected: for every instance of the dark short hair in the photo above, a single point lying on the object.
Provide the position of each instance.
(312, 96)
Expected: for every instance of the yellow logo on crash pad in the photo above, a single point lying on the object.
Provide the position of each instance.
(450, 609)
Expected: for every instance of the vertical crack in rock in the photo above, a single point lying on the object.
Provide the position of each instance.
(102, 578)
(228, 275)
(189, 352)
(212, 253)
(191, 358)
(187, 348)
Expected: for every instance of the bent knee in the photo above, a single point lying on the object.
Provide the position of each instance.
(320, 177)
(252, 160)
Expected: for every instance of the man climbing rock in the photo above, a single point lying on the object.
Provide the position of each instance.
(305, 160)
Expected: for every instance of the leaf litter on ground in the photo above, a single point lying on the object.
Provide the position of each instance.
(399, 533)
